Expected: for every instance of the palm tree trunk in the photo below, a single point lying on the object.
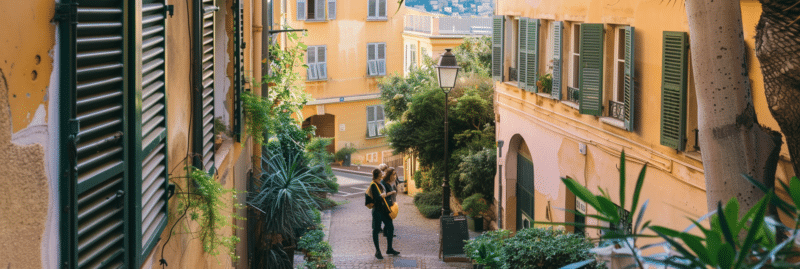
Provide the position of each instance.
(734, 144)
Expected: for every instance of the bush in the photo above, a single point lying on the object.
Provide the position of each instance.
(545, 248)
(339, 155)
(476, 174)
(486, 248)
(310, 239)
(418, 179)
(429, 203)
(475, 205)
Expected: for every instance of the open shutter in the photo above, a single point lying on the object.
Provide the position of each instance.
(331, 9)
(203, 123)
(523, 53)
(532, 58)
(673, 90)
(591, 69)
(319, 10)
(381, 58)
(372, 10)
(93, 133)
(311, 62)
(382, 8)
(371, 67)
(322, 72)
(238, 69)
(379, 119)
(301, 10)
(497, 48)
(371, 121)
(558, 39)
(629, 78)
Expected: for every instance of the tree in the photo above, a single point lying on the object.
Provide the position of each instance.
(778, 51)
(734, 144)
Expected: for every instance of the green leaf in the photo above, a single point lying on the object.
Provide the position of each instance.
(302, 46)
(794, 191)
(581, 192)
(723, 224)
(755, 226)
(713, 243)
(638, 189)
(608, 208)
(622, 181)
(725, 256)
(693, 242)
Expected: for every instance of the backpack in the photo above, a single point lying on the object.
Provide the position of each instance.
(369, 202)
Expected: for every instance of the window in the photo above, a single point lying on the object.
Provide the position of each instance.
(316, 61)
(513, 47)
(375, 121)
(574, 59)
(376, 10)
(314, 10)
(413, 54)
(376, 59)
(619, 64)
(115, 191)
(621, 103)
(673, 90)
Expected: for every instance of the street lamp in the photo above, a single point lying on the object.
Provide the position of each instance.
(447, 71)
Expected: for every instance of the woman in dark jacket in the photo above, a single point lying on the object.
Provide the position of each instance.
(380, 214)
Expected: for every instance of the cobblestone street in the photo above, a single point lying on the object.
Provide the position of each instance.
(350, 232)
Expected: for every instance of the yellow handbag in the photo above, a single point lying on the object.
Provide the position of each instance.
(393, 210)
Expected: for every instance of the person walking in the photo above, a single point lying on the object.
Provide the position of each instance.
(380, 214)
(390, 185)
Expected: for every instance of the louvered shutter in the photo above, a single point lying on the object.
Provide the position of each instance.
(319, 10)
(591, 69)
(372, 10)
(203, 131)
(381, 47)
(379, 119)
(371, 66)
(331, 9)
(93, 133)
(523, 53)
(630, 86)
(382, 8)
(371, 121)
(497, 48)
(321, 63)
(311, 55)
(673, 90)
(532, 58)
(301, 10)
(557, 55)
(238, 69)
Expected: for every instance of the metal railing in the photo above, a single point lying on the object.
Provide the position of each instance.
(617, 110)
(574, 95)
(448, 25)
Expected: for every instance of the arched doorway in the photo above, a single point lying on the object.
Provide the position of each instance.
(525, 188)
(518, 185)
(326, 127)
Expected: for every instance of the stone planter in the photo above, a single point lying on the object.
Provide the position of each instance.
(615, 257)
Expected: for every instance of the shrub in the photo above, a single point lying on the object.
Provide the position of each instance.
(475, 205)
(429, 203)
(476, 174)
(545, 248)
(310, 239)
(339, 155)
(418, 179)
(486, 248)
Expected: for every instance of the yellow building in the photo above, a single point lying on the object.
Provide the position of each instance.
(351, 45)
(622, 80)
(102, 105)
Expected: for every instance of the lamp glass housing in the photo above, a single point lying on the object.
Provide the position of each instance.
(447, 77)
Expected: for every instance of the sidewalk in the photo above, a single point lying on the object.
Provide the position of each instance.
(351, 237)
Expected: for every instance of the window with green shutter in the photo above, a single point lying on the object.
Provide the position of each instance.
(238, 69)
(113, 132)
(591, 69)
(497, 47)
(203, 89)
(558, 39)
(532, 57)
(673, 90)
(629, 79)
(522, 68)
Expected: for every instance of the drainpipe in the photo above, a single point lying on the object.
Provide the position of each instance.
(257, 27)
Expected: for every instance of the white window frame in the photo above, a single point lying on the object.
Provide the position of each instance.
(574, 53)
(413, 62)
(619, 64)
(376, 14)
(317, 68)
(376, 125)
(323, 4)
(377, 65)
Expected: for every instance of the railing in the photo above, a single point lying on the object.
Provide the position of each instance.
(512, 74)
(393, 161)
(448, 25)
(574, 95)
(617, 110)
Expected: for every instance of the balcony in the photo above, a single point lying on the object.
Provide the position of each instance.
(574, 95)
(617, 110)
(431, 25)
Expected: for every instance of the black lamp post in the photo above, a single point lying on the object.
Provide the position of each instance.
(447, 73)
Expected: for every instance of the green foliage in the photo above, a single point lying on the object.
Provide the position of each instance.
(310, 239)
(220, 127)
(429, 203)
(342, 152)
(476, 172)
(474, 55)
(486, 248)
(317, 154)
(209, 205)
(545, 81)
(418, 179)
(475, 205)
(545, 248)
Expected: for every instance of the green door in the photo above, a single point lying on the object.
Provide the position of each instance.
(524, 192)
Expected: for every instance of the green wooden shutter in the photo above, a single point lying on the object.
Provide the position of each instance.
(591, 69)
(238, 69)
(630, 85)
(673, 90)
(497, 48)
(150, 120)
(532, 58)
(203, 96)
(93, 135)
(522, 38)
(557, 41)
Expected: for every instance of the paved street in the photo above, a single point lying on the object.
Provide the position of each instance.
(351, 237)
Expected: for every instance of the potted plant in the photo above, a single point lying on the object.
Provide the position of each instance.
(342, 157)
(219, 129)
(545, 83)
(476, 207)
